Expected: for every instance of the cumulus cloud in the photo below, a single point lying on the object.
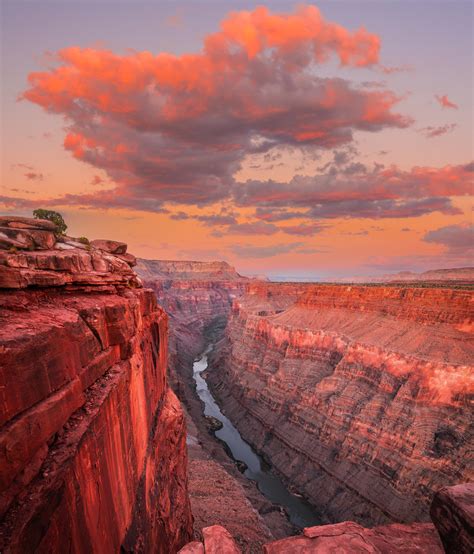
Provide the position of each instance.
(176, 128)
(445, 102)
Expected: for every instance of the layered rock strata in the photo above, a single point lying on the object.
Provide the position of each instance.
(92, 439)
(359, 396)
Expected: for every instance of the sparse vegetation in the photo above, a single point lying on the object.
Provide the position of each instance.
(84, 240)
(53, 216)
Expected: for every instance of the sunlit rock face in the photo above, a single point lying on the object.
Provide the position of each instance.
(359, 396)
(92, 439)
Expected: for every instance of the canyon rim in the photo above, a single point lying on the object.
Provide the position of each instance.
(236, 277)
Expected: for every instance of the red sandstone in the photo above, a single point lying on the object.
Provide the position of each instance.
(92, 440)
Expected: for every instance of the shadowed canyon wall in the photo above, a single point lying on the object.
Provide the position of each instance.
(92, 439)
(359, 396)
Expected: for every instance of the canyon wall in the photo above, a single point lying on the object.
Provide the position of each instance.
(92, 439)
(197, 296)
(360, 396)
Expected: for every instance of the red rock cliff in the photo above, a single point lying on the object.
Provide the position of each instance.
(358, 395)
(92, 440)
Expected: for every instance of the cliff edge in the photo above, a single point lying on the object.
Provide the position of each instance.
(92, 439)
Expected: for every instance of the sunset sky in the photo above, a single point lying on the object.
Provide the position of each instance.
(294, 140)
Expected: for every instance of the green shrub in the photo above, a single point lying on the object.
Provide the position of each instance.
(53, 216)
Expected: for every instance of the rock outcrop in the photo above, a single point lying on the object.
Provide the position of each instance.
(452, 511)
(359, 396)
(92, 439)
(453, 514)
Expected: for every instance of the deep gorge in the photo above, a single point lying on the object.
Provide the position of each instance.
(356, 397)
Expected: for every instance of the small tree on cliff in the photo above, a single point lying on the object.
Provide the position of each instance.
(53, 216)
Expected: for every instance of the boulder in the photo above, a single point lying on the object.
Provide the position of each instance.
(452, 511)
(129, 258)
(111, 246)
(217, 540)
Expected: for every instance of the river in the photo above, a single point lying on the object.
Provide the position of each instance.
(300, 513)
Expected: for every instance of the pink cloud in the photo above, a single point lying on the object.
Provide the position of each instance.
(176, 128)
(445, 102)
(33, 176)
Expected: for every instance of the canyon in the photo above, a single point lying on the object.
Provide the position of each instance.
(359, 396)
(355, 403)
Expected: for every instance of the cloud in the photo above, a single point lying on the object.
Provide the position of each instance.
(33, 176)
(250, 228)
(175, 129)
(389, 70)
(436, 131)
(304, 230)
(249, 251)
(358, 192)
(445, 102)
(455, 238)
(97, 180)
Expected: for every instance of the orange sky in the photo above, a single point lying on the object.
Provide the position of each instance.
(284, 142)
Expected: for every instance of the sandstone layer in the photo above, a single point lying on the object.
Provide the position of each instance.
(92, 439)
(360, 396)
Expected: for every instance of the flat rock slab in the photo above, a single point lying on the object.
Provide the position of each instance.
(111, 246)
(18, 222)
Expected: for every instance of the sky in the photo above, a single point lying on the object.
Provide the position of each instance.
(296, 140)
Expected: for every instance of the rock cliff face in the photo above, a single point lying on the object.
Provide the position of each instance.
(359, 396)
(198, 297)
(92, 439)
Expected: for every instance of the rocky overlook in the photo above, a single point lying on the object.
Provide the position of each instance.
(92, 440)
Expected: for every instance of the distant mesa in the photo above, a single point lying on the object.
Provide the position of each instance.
(459, 274)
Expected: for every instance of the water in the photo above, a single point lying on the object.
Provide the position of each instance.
(299, 512)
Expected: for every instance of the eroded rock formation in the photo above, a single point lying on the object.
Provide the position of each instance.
(359, 396)
(92, 439)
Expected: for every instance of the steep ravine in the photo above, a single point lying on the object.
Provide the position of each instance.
(198, 297)
(359, 396)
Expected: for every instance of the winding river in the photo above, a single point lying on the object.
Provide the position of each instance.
(299, 512)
